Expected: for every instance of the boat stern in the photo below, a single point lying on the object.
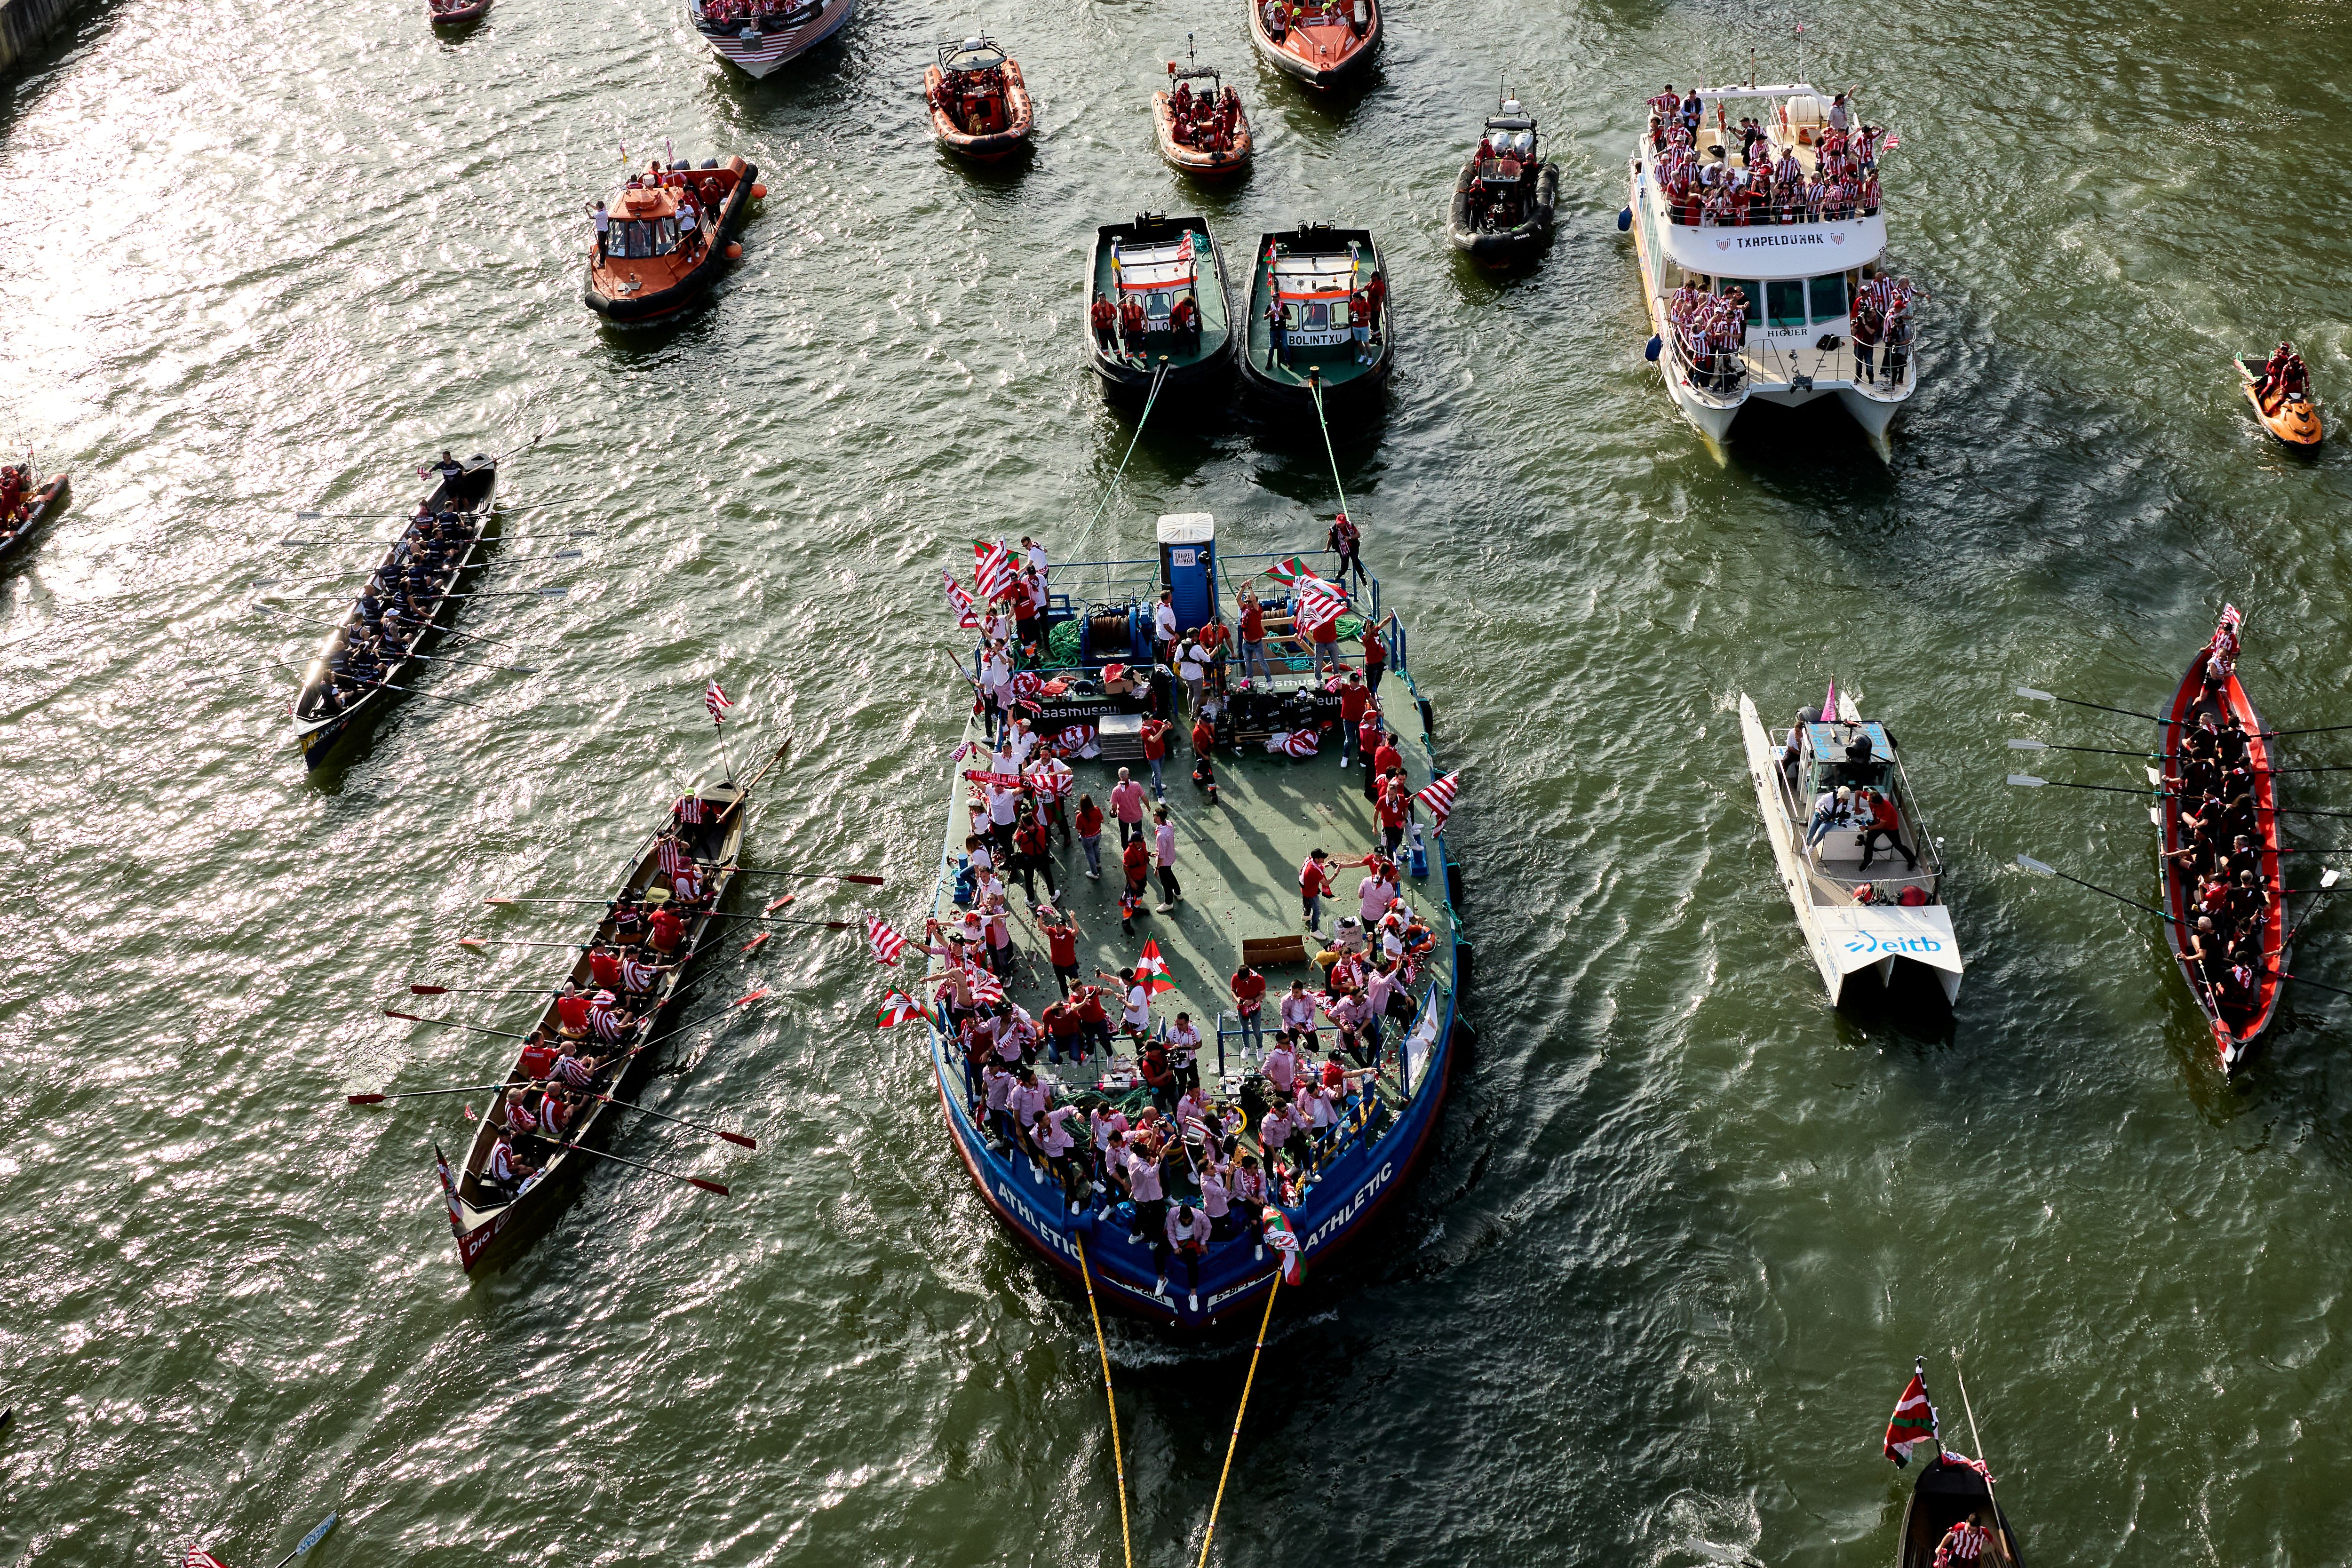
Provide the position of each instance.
(1883, 937)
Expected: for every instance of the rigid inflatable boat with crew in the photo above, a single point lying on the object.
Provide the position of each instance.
(667, 236)
(1322, 42)
(1201, 130)
(1158, 312)
(1318, 315)
(1762, 249)
(979, 102)
(1504, 198)
(756, 37)
(1284, 800)
(1831, 788)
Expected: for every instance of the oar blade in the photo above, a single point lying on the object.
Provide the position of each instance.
(775, 904)
(391, 1013)
(737, 1138)
(364, 1098)
(708, 1187)
(316, 1535)
(2027, 692)
(866, 881)
(2330, 876)
(746, 1001)
(2029, 745)
(754, 945)
(2036, 867)
(428, 991)
(501, 903)
(2027, 781)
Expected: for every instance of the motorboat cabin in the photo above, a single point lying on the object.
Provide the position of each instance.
(1504, 195)
(979, 102)
(1322, 43)
(756, 37)
(1318, 316)
(1158, 307)
(664, 236)
(1854, 854)
(1761, 234)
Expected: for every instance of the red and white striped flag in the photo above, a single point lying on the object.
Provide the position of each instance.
(1894, 140)
(986, 988)
(1300, 743)
(199, 1558)
(967, 613)
(1914, 1419)
(1439, 796)
(1285, 1242)
(887, 943)
(991, 568)
(896, 1008)
(1152, 969)
(1317, 604)
(715, 703)
(449, 1191)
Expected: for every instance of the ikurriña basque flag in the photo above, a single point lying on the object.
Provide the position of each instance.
(896, 1008)
(1914, 1419)
(1284, 1241)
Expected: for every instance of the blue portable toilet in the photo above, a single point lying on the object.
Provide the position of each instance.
(1188, 563)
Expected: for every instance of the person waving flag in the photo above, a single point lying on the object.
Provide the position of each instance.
(1290, 572)
(991, 568)
(1914, 1422)
(1439, 797)
(1319, 605)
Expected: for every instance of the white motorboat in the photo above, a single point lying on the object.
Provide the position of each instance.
(1855, 917)
(757, 36)
(1706, 214)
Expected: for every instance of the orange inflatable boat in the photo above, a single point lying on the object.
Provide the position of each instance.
(2294, 420)
(980, 106)
(1319, 42)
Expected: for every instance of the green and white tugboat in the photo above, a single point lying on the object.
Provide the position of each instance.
(1158, 312)
(1175, 1155)
(1318, 315)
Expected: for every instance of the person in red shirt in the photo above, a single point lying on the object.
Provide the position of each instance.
(1249, 1001)
(1063, 1032)
(1395, 806)
(1885, 819)
(1061, 933)
(604, 966)
(1253, 638)
(1136, 861)
(1314, 886)
(1090, 826)
(571, 1014)
(1216, 642)
(664, 932)
(1376, 653)
(1093, 1022)
(1104, 318)
(1204, 760)
(1155, 750)
(1354, 700)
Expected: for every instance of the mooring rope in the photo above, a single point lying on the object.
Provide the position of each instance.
(1235, 1442)
(1086, 1273)
(1315, 386)
(1158, 377)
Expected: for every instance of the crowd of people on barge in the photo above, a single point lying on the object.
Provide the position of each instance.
(1768, 183)
(1710, 328)
(593, 1028)
(1206, 121)
(2228, 892)
(396, 604)
(1134, 1129)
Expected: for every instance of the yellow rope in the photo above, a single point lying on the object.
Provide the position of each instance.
(1126, 1543)
(1236, 1439)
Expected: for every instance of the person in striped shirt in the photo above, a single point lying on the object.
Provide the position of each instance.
(1964, 1542)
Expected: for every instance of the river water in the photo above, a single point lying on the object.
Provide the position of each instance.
(1685, 1229)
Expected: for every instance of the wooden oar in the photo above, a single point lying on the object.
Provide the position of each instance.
(475, 942)
(437, 657)
(455, 1023)
(744, 1001)
(556, 591)
(387, 543)
(412, 692)
(781, 921)
(2165, 757)
(2027, 781)
(809, 876)
(205, 677)
(682, 1122)
(640, 1164)
(424, 1093)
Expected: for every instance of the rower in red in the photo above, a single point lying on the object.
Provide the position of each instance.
(1964, 1542)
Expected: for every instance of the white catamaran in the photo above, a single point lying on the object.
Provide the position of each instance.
(1854, 919)
(1758, 220)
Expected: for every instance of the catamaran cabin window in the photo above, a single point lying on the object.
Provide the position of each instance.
(1784, 301)
(1754, 291)
(1829, 298)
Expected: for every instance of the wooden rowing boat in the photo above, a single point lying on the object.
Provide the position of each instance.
(2237, 1019)
(2295, 421)
(47, 502)
(645, 267)
(323, 735)
(978, 100)
(453, 15)
(1322, 43)
(1947, 1492)
(490, 1230)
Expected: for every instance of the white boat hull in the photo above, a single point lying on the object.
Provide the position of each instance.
(764, 53)
(1844, 942)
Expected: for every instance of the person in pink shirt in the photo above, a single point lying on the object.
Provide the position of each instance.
(1126, 804)
(1164, 843)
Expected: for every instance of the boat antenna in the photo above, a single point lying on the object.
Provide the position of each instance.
(2001, 1531)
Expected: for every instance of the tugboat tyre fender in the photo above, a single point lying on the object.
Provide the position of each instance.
(709, 162)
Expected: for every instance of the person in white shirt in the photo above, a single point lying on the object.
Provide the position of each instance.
(1277, 1129)
(1020, 740)
(1163, 843)
(1298, 1008)
(1188, 1231)
(1054, 1142)
(1163, 626)
(603, 221)
(685, 225)
(1216, 1201)
(1372, 896)
(1036, 551)
(1829, 811)
(1193, 668)
(1144, 1190)
(1184, 1052)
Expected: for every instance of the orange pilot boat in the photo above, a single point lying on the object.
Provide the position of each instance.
(661, 242)
(1320, 42)
(980, 106)
(2289, 413)
(1202, 130)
